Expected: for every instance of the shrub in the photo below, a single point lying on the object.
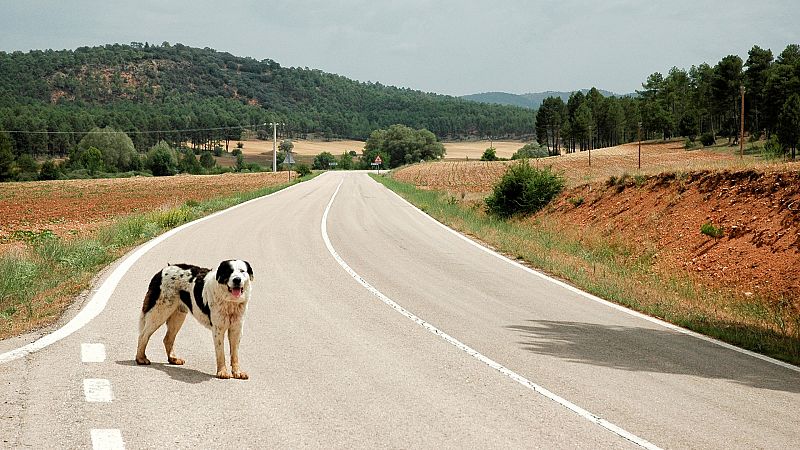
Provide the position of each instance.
(161, 160)
(772, 148)
(236, 152)
(240, 164)
(489, 155)
(323, 161)
(710, 230)
(707, 139)
(576, 201)
(49, 171)
(531, 150)
(302, 170)
(524, 190)
(207, 160)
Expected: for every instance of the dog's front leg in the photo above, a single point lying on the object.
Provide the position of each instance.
(234, 336)
(219, 348)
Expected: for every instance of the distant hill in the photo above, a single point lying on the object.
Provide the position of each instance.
(531, 100)
(142, 88)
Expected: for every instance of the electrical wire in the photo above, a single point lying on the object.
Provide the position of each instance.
(186, 130)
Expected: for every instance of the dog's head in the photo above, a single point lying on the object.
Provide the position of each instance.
(236, 275)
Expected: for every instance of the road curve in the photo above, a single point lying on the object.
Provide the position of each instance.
(333, 365)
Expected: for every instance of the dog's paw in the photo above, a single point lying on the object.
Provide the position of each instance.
(175, 361)
(142, 361)
(223, 374)
(239, 375)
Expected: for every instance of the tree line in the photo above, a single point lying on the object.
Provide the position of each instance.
(703, 100)
(179, 94)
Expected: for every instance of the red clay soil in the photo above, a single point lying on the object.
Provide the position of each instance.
(758, 212)
(71, 207)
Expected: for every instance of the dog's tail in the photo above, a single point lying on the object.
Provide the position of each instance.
(151, 297)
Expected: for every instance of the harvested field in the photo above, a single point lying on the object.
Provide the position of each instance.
(73, 207)
(480, 176)
(302, 147)
(466, 150)
(473, 150)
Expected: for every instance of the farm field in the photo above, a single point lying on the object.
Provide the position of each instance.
(480, 176)
(259, 151)
(74, 207)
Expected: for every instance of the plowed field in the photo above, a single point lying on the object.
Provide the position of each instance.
(72, 207)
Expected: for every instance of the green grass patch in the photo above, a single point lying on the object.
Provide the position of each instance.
(710, 230)
(597, 263)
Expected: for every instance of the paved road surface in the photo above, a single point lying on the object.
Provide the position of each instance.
(525, 363)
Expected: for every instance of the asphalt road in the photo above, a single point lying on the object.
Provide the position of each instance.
(380, 328)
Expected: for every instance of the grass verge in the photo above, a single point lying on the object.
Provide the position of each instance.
(40, 279)
(598, 263)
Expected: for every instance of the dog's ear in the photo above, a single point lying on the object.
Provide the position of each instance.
(224, 272)
(249, 270)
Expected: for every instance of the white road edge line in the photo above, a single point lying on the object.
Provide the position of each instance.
(97, 390)
(598, 299)
(469, 350)
(100, 298)
(107, 439)
(93, 353)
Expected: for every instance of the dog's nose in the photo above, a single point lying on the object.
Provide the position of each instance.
(237, 281)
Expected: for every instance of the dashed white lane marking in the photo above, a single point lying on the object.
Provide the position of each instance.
(107, 439)
(97, 390)
(469, 350)
(93, 353)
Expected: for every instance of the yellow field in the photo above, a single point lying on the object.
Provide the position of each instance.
(474, 149)
(303, 147)
(455, 150)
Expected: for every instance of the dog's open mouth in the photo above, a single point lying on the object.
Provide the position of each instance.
(235, 291)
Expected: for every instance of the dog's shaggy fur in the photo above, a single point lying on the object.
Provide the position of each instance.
(216, 298)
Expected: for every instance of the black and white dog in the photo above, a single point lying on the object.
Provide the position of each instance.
(216, 298)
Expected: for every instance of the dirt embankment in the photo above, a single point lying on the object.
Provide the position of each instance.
(757, 211)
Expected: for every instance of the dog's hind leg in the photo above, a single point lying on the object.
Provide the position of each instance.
(174, 323)
(148, 324)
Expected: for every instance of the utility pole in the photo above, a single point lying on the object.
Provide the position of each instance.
(275, 144)
(590, 145)
(741, 129)
(639, 137)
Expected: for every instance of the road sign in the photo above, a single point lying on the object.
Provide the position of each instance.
(378, 160)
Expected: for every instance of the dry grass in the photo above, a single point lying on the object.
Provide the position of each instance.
(473, 150)
(462, 150)
(480, 176)
(302, 147)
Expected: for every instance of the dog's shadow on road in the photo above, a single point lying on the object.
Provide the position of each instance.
(178, 373)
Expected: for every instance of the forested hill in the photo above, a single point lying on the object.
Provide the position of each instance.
(142, 88)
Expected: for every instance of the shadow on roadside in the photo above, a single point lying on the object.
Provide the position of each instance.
(650, 350)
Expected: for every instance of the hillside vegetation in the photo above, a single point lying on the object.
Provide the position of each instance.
(148, 91)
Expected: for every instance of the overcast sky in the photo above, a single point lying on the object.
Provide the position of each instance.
(445, 46)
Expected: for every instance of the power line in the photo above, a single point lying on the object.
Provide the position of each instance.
(186, 130)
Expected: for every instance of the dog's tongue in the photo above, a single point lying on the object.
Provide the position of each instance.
(237, 292)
